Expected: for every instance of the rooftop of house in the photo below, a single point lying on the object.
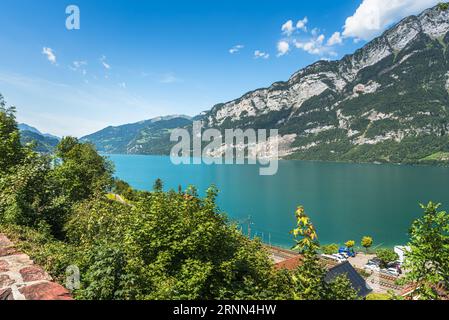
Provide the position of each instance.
(334, 270)
(357, 281)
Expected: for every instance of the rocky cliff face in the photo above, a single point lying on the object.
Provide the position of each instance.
(379, 104)
(387, 102)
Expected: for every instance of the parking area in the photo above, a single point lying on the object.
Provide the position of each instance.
(361, 260)
(380, 282)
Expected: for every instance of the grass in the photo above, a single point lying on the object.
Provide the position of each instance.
(439, 156)
(111, 196)
(378, 296)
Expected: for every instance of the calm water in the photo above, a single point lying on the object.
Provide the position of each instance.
(345, 201)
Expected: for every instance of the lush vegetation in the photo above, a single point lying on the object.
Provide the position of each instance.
(330, 248)
(367, 242)
(386, 256)
(63, 210)
(309, 279)
(427, 262)
(66, 209)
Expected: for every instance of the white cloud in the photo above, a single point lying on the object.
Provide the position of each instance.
(287, 28)
(50, 54)
(259, 54)
(312, 41)
(372, 17)
(335, 39)
(236, 48)
(122, 85)
(302, 24)
(283, 48)
(106, 65)
(314, 45)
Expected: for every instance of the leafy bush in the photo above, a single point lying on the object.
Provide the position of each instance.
(330, 249)
(386, 256)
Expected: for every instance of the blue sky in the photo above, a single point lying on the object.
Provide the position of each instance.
(134, 60)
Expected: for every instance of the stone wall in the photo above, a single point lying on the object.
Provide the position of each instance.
(21, 279)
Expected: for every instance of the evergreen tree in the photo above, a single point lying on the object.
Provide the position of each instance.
(158, 185)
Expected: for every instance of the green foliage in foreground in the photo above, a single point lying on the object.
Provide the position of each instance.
(165, 245)
(309, 279)
(155, 245)
(428, 261)
(10, 147)
(386, 256)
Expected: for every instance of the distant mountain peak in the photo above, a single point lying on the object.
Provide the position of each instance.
(129, 138)
(25, 127)
(386, 102)
(44, 143)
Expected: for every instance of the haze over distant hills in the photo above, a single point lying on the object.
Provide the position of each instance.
(44, 142)
(387, 102)
(145, 137)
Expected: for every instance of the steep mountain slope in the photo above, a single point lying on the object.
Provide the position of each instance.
(387, 102)
(147, 137)
(25, 127)
(43, 142)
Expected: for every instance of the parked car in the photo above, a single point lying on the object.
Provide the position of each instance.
(340, 257)
(394, 265)
(391, 272)
(335, 257)
(376, 261)
(347, 252)
(372, 267)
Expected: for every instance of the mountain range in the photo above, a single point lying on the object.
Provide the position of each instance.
(387, 102)
(44, 142)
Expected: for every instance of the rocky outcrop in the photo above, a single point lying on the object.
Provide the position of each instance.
(21, 279)
(386, 102)
(402, 73)
(314, 80)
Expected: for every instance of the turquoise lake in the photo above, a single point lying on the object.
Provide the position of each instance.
(345, 201)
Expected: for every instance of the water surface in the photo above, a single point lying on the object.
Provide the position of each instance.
(345, 201)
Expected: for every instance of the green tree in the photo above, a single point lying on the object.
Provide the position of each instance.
(427, 263)
(124, 189)
(386, 256)
(82, 172)
(158, 185)
(350, 244)
(330, 249)
(443, 6)
(11, 150)
(28, 194)
(341, 289)
(367, 242)
(309, 278)
(174, 246)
